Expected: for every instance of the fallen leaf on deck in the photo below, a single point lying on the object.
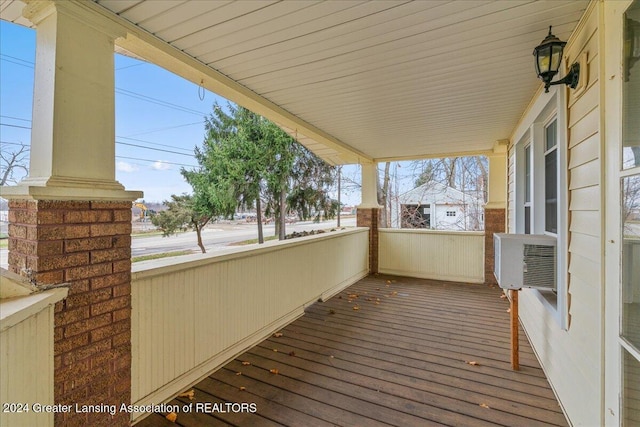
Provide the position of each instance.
(503, 296)
(474, 363)
(377, 302)
(353, 296)
(275, 349)
(340, 297)
(508, 310)
(484, 405)
(277, 335)
(388, 281)
(394, 293)
(246, 363)
(355, 307)
(332, 312)
(274, 371)
(172, 416)
(190, 394)
(238, 373)
(243, 388)
(292, 353)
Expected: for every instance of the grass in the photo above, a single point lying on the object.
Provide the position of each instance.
(145, 233)
(160, 255)
(4, 243)
(252, 241)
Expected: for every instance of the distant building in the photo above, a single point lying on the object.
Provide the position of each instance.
(437, 206)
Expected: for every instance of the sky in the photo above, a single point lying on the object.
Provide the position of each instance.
(159, 117)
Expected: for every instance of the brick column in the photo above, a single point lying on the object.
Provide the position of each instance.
(86, 244)
(370, 217)
(494, 222)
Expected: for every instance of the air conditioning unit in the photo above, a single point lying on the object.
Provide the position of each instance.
(525, 261)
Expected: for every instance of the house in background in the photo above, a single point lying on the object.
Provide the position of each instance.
(439, 207)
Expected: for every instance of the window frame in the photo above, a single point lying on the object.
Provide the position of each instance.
(552, 107)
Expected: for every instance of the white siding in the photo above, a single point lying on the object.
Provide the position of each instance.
(190, 318)
(572, 359)
(440, 255)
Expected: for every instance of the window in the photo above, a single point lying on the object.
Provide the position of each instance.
(540, 190)
(527, 189)
(629, 311)
(551, 178)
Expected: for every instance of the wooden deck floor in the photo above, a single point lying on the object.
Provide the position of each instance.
(401, 358)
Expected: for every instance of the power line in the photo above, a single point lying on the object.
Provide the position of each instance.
(159, 102)
(189, 154)
(166, 128)
(125, 92)
(154, 149)
(131, 66)
(133, 139)
(15, 126)
(154, 143)
(154, 161)
(16, 118)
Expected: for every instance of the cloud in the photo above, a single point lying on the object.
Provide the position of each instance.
(161, 165)
(126, 167)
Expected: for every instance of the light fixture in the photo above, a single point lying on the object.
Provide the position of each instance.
(548, 58)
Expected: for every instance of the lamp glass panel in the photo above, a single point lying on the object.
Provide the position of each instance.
(556, 57)
(543, 59)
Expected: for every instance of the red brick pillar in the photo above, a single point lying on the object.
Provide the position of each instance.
(87, 245)
(494, 222)
(370, 217)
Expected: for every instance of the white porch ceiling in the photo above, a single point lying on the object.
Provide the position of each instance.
(379, 79)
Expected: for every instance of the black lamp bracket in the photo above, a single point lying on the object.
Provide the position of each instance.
(571, 79)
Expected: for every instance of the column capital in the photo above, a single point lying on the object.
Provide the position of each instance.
(369, 186)
(500, 148)
(37, 11)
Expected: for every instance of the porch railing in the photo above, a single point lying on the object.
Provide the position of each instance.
(191, 317)
(432, 254)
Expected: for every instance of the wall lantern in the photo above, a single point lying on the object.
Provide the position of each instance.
(548, 58)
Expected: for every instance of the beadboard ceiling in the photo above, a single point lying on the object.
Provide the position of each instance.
(378, 79)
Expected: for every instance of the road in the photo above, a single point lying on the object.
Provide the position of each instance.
(216, 237)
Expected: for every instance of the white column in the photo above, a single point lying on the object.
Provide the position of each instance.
(497, 185)
(73, 128)
(369, 186)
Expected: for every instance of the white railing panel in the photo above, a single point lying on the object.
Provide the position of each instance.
(190, 317)
(26, 358)
(432, 254)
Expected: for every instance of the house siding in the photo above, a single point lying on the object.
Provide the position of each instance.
(573, 358)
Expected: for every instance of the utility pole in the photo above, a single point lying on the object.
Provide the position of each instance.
(339, 204)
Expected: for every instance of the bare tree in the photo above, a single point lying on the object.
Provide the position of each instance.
(13, 165)
(383, 196)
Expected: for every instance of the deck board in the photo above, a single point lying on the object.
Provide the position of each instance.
(399, 359)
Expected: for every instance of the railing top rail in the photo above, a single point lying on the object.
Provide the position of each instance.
(425, 231)
(148, 269)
